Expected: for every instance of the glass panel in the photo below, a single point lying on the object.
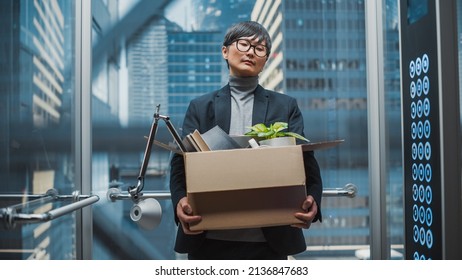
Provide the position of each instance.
(128, 81)
(318, 57)
(37, 123)
(394, 188)
(325, 69)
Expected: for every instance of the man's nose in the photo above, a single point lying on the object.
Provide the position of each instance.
(251, 50)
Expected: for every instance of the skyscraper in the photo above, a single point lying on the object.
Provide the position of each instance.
(147, 71)
(318, 57)
(194, 68)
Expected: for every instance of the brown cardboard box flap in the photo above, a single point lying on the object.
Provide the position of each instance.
(321, 145)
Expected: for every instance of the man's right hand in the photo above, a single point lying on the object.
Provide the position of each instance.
(185, 215)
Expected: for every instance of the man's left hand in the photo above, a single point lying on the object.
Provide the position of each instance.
(310, 209)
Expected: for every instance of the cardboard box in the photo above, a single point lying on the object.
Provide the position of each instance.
(246, 188)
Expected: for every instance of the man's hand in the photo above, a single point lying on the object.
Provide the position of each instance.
(185, 215)
(310, 209)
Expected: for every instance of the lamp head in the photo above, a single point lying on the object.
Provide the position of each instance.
(147, 213)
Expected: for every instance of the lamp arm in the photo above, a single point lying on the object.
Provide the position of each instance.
(136, 190)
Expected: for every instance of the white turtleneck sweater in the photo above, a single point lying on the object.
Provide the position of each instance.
(242, 97)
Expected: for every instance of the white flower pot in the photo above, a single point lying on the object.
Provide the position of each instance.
(279, 141)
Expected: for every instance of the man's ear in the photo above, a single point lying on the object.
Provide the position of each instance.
(224, 52)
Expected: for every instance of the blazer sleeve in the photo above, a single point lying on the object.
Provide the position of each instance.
(313, 174)
(177, 169)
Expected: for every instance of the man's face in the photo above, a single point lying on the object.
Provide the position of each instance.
(244, 63)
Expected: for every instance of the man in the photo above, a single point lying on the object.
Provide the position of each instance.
(235, 107)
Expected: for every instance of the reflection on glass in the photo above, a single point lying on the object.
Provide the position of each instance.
(36, 120)
(416, 10)
(394, 187)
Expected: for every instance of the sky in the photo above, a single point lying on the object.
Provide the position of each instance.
(179, 11)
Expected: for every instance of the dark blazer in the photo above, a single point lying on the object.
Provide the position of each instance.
(213, 109)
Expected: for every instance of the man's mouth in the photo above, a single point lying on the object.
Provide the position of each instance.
(248, 61)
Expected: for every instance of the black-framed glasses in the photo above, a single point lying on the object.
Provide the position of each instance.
(244, 45)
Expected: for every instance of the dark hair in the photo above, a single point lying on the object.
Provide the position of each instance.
(247, 29)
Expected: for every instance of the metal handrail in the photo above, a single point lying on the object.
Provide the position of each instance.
(113, 194)
(11, 217)
(348, 190)
(148, 215)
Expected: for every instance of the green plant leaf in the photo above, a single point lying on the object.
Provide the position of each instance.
(296, 135)
(266, 134)
(251, 133)
(278, 126)
(273, 131)
(260, 127)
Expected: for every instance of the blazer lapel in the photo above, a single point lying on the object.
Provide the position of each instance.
(223, 108)
(260, 105)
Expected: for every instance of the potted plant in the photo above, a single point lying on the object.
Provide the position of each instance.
(274, 135)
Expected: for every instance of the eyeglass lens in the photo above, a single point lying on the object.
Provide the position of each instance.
(244, 46)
